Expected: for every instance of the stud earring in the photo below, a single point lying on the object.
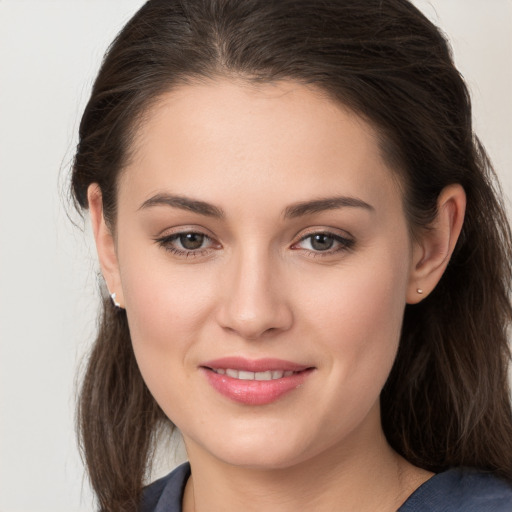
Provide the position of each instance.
(419, 290)
(114, 301)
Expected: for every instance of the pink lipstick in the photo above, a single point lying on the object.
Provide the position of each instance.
(254, 382)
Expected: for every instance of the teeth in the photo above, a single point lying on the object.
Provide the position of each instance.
(263, 375)
(244, 375)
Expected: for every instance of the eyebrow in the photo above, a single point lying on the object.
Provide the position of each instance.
(290, 212)
(320, 205)
(184, 203)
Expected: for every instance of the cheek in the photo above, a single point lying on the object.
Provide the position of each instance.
(358, 318)
(165, 310)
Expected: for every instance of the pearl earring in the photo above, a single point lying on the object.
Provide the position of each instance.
(113, 297)
(419, 290)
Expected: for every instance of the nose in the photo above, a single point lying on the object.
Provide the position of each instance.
(254, 301)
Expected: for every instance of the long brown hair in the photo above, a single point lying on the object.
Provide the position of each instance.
(447, 401)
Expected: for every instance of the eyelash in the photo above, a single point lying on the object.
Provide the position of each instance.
(167, 243)
(344, 244)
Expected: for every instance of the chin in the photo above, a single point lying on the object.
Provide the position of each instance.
(260, 460)
(262, 452)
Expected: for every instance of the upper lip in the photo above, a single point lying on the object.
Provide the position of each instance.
(254, 365)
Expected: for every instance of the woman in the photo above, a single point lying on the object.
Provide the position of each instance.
(308, 263)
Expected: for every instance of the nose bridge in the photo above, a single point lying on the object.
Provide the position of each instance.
(254, 298)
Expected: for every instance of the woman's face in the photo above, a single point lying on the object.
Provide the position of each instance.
(260, 232)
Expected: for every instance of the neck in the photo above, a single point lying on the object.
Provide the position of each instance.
(354, 476)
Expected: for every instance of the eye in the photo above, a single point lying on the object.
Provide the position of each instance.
(187, 243)
(191, 241)
(324, 243)
(320, 242)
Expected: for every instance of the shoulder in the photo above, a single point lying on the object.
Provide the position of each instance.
(461, 490)
(166, 493)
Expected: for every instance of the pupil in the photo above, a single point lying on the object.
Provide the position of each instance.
(322, 242)
(191, 241)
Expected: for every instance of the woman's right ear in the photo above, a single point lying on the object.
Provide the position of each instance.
(105, 243)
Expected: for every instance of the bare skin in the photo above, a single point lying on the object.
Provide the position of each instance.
(379, 481)
(296, 248)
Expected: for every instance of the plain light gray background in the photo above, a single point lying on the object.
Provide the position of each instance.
(50, 51)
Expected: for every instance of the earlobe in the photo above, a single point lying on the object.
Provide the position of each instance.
(433, 251)
(105, 245)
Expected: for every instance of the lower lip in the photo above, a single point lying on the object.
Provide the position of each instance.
(255, 392)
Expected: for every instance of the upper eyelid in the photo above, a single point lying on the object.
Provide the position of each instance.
(327, 233)
(317, 230)
(336, 233)
(176, 235)
(180, 230)
(346, 241)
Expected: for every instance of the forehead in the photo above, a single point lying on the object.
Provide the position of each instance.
(232, 136)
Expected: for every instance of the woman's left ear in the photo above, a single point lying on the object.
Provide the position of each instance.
(432, 252)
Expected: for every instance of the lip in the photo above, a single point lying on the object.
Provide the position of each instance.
(255, 392)
(255, 365)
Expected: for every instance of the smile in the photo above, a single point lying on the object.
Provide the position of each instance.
(255, 382)
(246, 375)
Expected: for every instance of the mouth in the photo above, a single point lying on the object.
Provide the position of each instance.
(246, 375)
(255, 382)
